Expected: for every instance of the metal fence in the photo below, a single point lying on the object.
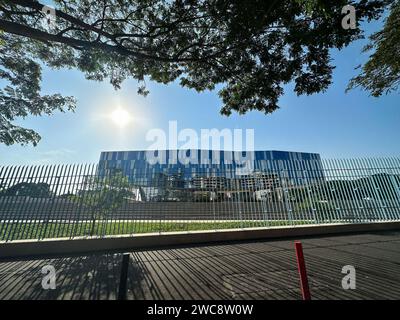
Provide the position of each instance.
(39, 202)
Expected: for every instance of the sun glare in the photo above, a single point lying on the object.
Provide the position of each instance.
(120, 117)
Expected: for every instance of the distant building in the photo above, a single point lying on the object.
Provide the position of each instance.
(259, 181)
(208, 183)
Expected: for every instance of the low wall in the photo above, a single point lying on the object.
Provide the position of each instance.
(64, 246)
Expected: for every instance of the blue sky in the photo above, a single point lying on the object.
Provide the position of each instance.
(334, 124)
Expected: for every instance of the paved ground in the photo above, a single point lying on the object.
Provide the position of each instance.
(243, 270)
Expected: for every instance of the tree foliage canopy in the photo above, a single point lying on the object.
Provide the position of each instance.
(251, 48)
(103, 194)
(381, 73)
(21, 95)
(28, 189)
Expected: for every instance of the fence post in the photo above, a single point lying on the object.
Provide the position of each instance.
(122, 290)
(305, 290)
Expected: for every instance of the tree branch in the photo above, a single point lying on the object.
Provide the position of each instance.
(22, 30)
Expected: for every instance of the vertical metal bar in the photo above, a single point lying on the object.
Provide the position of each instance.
(357, 181)
(380, 189)
(100, 187)
(23, 219)
(40, 203)
(113, 217)
(300, 193)
(389, 188)
(36, 206)
(101, 190)
(378, 204)
(62, 205)
(329, 179)
(65, 214)
(263, 184)
(377, 189)
(76, 228)
(323, 191)
(341, 186)
(392, 163)
(310, 195)
(45, 176)
(55, 224)
(48, 215)
(363, 178)
(8, 203)
(114, 186)
(15, 221)
(315, 194)
(3, 198)
(8, 200)
(36, 210)
(277, 206)
(289, 171)
(350, 173)
(16, 207)
(328, 186)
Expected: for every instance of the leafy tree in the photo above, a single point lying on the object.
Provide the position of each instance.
(250, 49)
(381, 73)
(28, 189)
(21, 95)
(103, 195)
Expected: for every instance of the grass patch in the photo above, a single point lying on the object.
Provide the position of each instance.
(40, 230)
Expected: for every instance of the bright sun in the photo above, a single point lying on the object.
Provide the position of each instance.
(120, 117)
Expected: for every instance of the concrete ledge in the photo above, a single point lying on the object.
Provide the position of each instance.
(82, 245)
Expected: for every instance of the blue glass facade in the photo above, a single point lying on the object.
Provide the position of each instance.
(144, 166)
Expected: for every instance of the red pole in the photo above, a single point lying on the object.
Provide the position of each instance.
(305, 290)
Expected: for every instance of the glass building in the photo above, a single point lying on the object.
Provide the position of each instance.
(196, 168)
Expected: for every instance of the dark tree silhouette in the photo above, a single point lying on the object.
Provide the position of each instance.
(250, 49)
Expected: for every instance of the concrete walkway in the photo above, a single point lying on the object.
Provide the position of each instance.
(243, 270)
